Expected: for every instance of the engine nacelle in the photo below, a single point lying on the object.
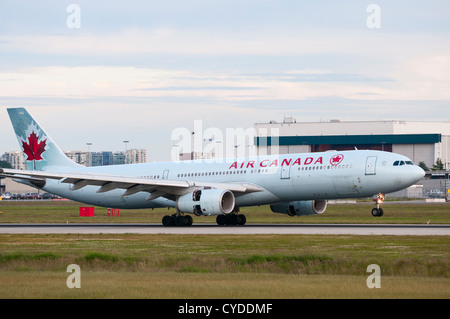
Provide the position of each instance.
(300, 208)
(207, 202)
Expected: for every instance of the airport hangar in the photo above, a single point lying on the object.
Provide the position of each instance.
(420, 141)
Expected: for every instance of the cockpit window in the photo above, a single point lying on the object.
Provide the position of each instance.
(400, 163)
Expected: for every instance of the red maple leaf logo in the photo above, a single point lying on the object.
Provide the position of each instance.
(336, 159)
(34, 149)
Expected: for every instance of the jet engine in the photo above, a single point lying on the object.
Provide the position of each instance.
(300, 208)
(207, 202)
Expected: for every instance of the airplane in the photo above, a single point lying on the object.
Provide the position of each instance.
(292, 184)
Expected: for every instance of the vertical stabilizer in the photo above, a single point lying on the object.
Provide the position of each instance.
(39, 150)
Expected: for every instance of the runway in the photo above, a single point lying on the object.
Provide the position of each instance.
(213, 229)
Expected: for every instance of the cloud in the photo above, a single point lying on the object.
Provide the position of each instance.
(423, 78)
(276, 41)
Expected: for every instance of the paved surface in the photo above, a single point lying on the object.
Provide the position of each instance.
(325, 229)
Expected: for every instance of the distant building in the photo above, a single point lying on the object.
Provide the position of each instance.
(195, 156)
(420, 141)
(132, 156)
(119, 158)
(15, 158)
(135, 156)
(80, 157)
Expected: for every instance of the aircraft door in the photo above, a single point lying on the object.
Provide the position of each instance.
(285, 171)
(371, 164)
(165, 174)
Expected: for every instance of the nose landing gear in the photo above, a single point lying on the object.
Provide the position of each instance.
(378, 211)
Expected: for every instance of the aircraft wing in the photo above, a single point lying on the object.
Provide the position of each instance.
(130, 185)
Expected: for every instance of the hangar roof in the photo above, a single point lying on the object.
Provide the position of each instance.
(335, 127)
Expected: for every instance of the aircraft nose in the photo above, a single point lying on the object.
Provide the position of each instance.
(418, 173)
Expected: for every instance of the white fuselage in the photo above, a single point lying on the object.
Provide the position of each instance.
(283, 178)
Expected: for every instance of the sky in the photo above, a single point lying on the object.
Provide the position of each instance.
(103, 72)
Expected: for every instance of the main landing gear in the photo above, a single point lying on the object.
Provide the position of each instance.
(231, 219)
(378, 211)
(177, 219)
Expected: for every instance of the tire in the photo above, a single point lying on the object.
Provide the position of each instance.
(241, 219)
(220, 219)
(188, 220)
(180, 221)
(168, 221)
(377, 212)
(232, 219)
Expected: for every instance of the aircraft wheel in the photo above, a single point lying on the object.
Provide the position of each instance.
(241, 219)
(177, 220)
(232, 219)
(377, 212)
(188, 220)
(168, 221)
(180, 221)
(220, 220)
